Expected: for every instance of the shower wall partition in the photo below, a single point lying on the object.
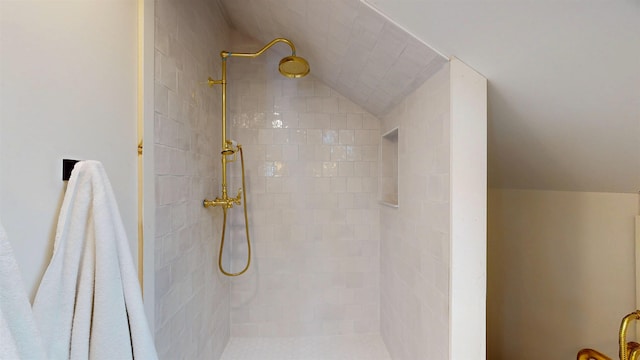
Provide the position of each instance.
(416, 236)
(191, 296)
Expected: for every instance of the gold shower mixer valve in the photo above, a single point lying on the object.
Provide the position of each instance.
(225, 201)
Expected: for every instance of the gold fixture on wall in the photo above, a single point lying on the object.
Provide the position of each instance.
(627, 350)
(292, 67)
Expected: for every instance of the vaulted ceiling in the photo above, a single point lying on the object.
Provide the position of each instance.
(564, 75)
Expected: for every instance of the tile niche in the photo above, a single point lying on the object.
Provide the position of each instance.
(389, 168)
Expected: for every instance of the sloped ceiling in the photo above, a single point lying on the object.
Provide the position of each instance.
(351, 47)
(564, 85)
(564, 75)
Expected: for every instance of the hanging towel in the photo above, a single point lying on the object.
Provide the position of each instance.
(19, 337)
(89, 305)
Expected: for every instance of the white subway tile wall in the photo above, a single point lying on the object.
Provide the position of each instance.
(326, 260)
(415, 237)
(191, 297)
(311, 167)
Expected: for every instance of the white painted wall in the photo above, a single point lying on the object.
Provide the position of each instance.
(68, 75)
(561, 272)
(468, 274)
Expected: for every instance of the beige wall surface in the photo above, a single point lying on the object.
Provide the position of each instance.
(68, 73)
(561, 272)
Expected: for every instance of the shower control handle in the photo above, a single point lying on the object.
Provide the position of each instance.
(226, 202)
(238, 197)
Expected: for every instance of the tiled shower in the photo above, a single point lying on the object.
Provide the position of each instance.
(328, 259)
(312, 170)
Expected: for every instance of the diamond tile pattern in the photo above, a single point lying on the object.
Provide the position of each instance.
(350, 46)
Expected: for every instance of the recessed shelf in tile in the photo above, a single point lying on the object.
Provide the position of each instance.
(389, 168)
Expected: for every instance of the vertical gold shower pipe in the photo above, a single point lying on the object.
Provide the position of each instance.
(223, 81)
(225, 145)
(225, 201)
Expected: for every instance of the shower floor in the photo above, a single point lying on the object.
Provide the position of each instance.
(346, 347)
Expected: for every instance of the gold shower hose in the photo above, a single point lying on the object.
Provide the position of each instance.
(246, 224)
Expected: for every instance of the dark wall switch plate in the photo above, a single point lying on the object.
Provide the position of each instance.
(67, 167)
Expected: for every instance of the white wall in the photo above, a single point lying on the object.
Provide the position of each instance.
(468, 220)
(561, 272)
(68, 86)
(415, 237)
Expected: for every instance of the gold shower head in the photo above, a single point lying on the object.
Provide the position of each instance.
(291, 66)
(294, 67)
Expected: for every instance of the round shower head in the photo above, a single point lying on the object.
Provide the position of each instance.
(294, 67)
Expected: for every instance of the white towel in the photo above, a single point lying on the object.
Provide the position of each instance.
(89, 304)
(19, 337)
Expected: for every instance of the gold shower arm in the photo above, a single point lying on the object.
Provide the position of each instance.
(226, 54)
